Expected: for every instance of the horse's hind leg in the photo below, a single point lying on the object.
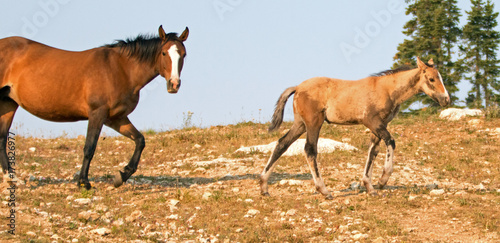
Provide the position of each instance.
(125, 127)
(311, 150)
(372, 154)
(7, 110)
(284, 142)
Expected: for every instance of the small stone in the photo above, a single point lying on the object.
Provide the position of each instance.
(249, 200)
(347, 202)
(174, 202)
(343, 228)
(32, 149)
(197, 146)
(101, 231)
(459, 193)
(55, 237)
(359, 236)
(118, 222)
(324, 205)
(239, 230)
(173, 217)
(412, 197)
(31, 233)
(236, 189)
(83, 201)
(206, 196)
(75, 240)
(134, 216)
(437, 192)
(291, 212)
(355, 186)
(292, 182)
(69, 198)
(252, 213)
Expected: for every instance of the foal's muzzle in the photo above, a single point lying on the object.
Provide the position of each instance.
(173, 85)
(443, 99)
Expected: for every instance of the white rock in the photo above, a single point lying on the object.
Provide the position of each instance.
(454, 114)
(297, 148)
(461, 193)
(101, 231)
(291, 212)
(359, 236)
(252, 213)
(174, 202)
(75, 240)
(412, 197)
(436, 192)
(249, 200)
(32, 149)
(292, 182)
(83, 201)
(31, 233)
(206, 196)
(239, 230)
(119, 222)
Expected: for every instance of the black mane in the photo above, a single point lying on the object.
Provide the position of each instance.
(146, 48)
(392, 71)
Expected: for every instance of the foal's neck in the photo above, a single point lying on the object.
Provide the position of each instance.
(403, 85)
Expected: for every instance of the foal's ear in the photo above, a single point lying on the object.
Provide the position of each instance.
(184, 35)
(421, 64)
(161, 32)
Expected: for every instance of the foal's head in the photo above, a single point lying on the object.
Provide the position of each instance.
(431, 83)
(171, 58)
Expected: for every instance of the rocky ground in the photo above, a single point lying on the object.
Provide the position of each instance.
(192, 185)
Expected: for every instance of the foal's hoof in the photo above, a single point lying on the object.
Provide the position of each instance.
(118, 181)
(265, 194)
(373, 194)
(329, 197)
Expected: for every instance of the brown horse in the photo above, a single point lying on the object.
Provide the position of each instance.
(372, 101)
(100, 85)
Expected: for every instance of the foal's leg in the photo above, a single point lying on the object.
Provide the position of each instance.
(7, 110)
(96, 121)
(311, 150)
(124, 127)
(372, 154)
(389, 163)
(284, 142)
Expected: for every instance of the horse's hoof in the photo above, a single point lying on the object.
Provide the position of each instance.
(329, 197)
(265, 194)
(85, 185)
(373, 194)
(117, 182)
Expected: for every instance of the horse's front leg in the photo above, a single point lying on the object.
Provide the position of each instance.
(96, 121)
(372, 154)
(125, 127)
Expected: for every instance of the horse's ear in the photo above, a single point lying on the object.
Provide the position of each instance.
(184, 35)
(431, 62)
(161, 32)
(421, 64)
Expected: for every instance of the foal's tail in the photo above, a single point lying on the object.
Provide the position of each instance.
(280, 107)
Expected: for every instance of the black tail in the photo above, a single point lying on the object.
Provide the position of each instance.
(280, 107)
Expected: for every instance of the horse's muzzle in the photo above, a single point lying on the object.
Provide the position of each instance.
(443, 99)
(173, 85)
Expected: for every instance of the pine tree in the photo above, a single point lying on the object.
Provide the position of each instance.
(433, 33)
(481, 46)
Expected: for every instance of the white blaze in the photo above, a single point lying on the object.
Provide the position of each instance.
(174, 56)
(441, 79)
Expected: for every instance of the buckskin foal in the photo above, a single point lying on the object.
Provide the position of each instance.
(372, 101)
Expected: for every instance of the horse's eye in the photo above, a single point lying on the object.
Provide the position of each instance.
(431, 79)
(163, 53)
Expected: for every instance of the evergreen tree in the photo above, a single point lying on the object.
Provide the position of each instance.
(481, 45)
(433, 33)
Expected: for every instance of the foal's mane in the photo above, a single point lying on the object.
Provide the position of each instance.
(392, 71)
(396, 70)
(146, 48)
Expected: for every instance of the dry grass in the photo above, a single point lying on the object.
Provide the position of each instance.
(216, 188)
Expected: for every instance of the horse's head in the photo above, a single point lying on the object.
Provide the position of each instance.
(431, 83)
(171, 58)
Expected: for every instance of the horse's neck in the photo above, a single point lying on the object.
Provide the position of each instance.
(402, 86)
(140, 73)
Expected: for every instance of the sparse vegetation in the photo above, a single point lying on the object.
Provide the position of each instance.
(190, 185)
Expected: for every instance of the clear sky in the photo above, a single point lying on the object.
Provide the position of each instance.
(241, 54)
